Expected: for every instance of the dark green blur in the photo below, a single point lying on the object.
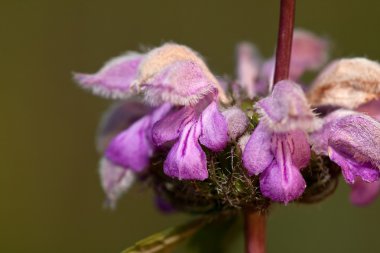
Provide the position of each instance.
(51, 200)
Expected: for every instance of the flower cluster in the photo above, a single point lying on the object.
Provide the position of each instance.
(174, 108)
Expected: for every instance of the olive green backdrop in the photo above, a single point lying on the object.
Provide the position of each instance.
(50, 198)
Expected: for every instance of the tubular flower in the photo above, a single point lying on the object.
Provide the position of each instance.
(278, 148)
(184, 93)
(353, 84)
(352, 141)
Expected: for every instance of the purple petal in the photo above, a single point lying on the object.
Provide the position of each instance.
(115, 78)
(309, 52)
(115, 180)
(352, 141)
(214, 133)
(364, 193)
(176, 74)
(237, 122)
(186, 159)
(351, 169)
(282, 180)
(248, 68)
(257, 155)
(169, 128)
(319, 138)
(286, 109)
(117, 118)
(132, 148)
(357, 136)
(300, 148)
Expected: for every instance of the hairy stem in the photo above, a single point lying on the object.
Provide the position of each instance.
(284, 40)
(254, 227)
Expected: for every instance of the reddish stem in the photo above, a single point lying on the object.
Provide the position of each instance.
(254, 227)
(284, 40)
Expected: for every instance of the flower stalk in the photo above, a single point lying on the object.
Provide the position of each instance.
(284, 40)
(254, 227)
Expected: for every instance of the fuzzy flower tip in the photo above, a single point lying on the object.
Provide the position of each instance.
(352, 141)
(171, 73)
(278, 147)
(286, 108)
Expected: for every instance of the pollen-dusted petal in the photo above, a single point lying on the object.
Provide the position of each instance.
(117, 118)
(161, 60)
(257, 155)
(286, 108)
(309, 52)
(114, 79)
(132, 148)
(237, 122)
(214, 132)
(115, 180)
(282, 180)
(247, 68)
(364, 193)
(168, 128)
(186, 159)
(181, 83)
(347, 83)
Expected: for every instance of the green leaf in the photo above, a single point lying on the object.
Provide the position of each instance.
(165, 241)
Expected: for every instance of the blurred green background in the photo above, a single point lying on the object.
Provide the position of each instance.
(51, 200)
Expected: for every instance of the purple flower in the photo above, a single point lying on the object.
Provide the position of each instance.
(278, 147)
(352, 140)
(184, 93)
(189, 127)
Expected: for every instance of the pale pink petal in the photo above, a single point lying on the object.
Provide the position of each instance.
(247, 68)
(182, 83)
(309, 52)
(114, 80)
(115, 180)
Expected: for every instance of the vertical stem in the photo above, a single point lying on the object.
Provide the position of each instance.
(284, 40)
(254, 227)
